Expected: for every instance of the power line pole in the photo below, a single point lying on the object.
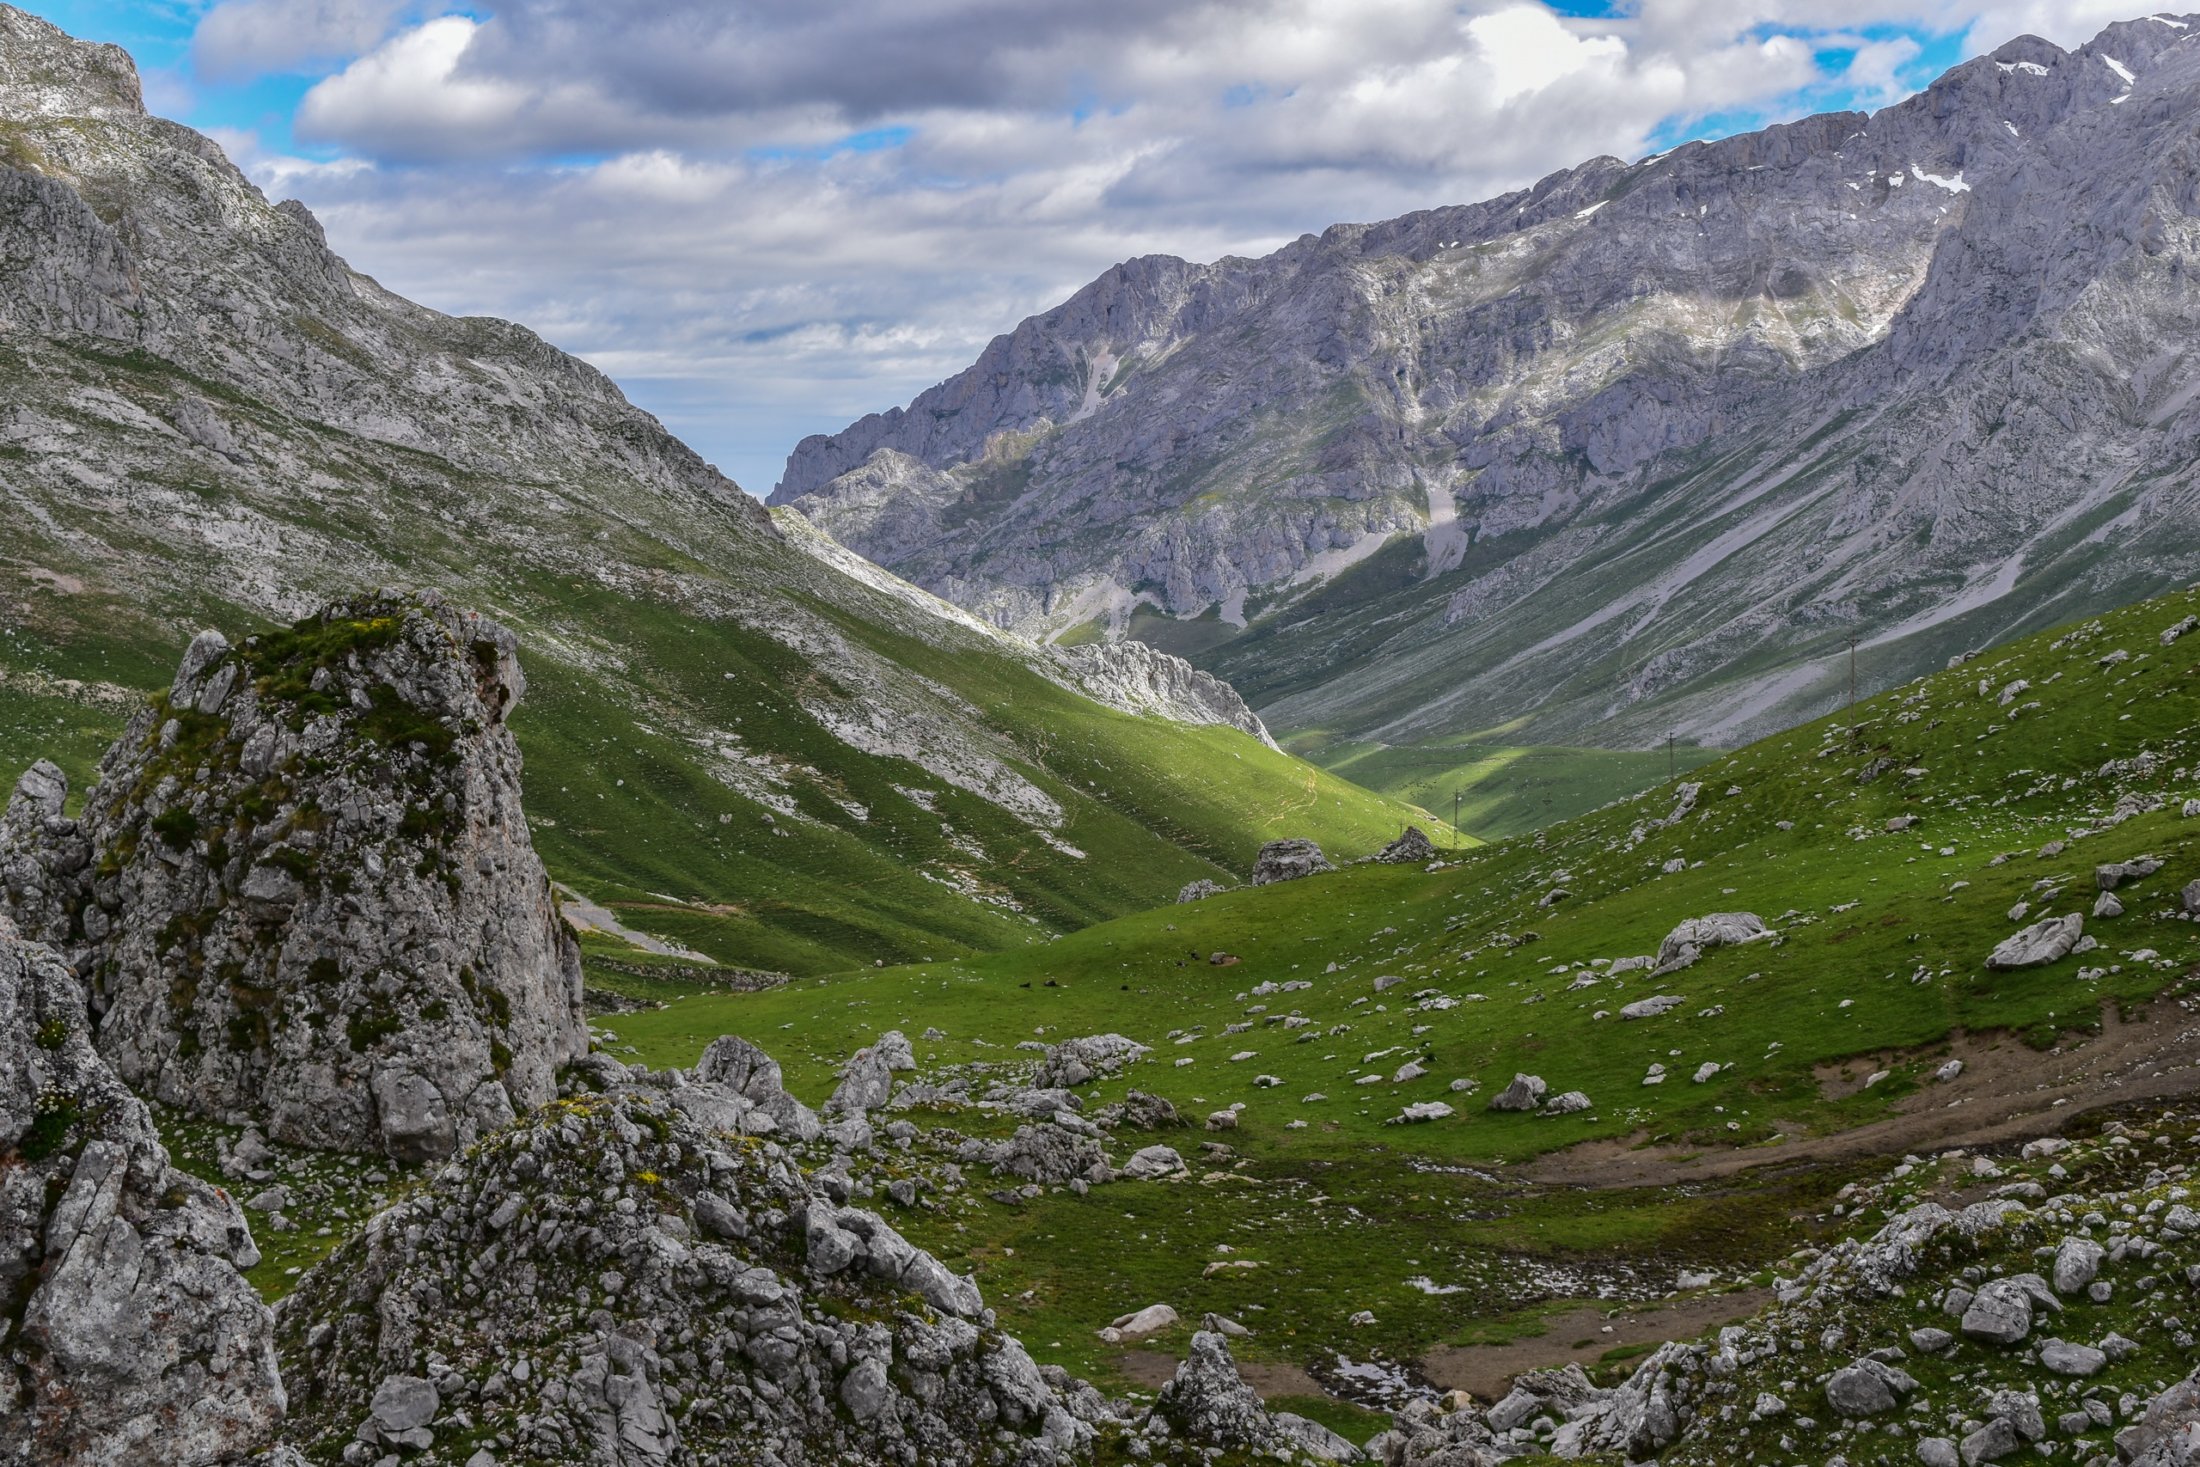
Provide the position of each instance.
(1455, 796)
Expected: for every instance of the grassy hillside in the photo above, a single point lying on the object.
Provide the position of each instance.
(1502, 789)
(686, 786)
(1878, 969)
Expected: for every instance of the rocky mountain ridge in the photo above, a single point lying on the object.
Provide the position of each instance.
(1668, 433)
(208, 419)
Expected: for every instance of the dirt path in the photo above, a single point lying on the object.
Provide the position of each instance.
(2007, 1092)
(1582, 1336)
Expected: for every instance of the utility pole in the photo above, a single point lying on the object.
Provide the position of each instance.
(1455, 798)
(1852, 672)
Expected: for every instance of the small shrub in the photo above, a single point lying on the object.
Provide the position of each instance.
(176, 827)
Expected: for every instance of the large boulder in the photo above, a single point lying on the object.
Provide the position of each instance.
(2038, 945)
(303, 891)
(1090, 1057)
(1288, 860)
(612, 1282)
(1699, 935)
(746, 1092)
(2000, 1313)
(135, 1337)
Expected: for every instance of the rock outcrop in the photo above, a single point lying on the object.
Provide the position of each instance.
(303, 893)
(133, 1336)
(1288, 860)
(1412, 848)
(615, 1282)
(1141, 679)
(1210, 1403)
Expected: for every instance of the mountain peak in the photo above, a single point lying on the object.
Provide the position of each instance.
(45, 72)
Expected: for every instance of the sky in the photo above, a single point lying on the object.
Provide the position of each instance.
(766, 218)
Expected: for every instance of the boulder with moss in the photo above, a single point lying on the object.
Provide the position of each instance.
(302, 891)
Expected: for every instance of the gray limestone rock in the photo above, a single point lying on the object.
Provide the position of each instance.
(2114, 874)
(753, 1077)
(315, 900)
(135, 1337)
(2000, 1313)
(1076, 1062)
(2168, 1434)
(1200, 890)
(865, 1084)
(1867, 1388)
(1698, 935)
(1152, 1162)
(661, 1292)
(1209, 1403)
(2038, 945)
(1525, 1093)
(2077, 1264)
(1142, 679)
(1288, 860)
(1413, 848)
(2065, 1358)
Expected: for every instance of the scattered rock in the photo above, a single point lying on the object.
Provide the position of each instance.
(1867, 1388)
(1200, 890)
(1151, 1320)
(1650, 1008)
(2000, 1313)
(1424, 1110)
(2113, 875)
(1154, 1162)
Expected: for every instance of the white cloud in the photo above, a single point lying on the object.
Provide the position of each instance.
(242, 38)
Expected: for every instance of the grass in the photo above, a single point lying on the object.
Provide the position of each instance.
(1504, 789)
(1880, 958)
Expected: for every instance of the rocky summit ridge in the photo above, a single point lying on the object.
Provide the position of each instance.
(1667, 434)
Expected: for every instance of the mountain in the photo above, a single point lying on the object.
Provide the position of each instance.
(1636, 451)
(737, 736)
